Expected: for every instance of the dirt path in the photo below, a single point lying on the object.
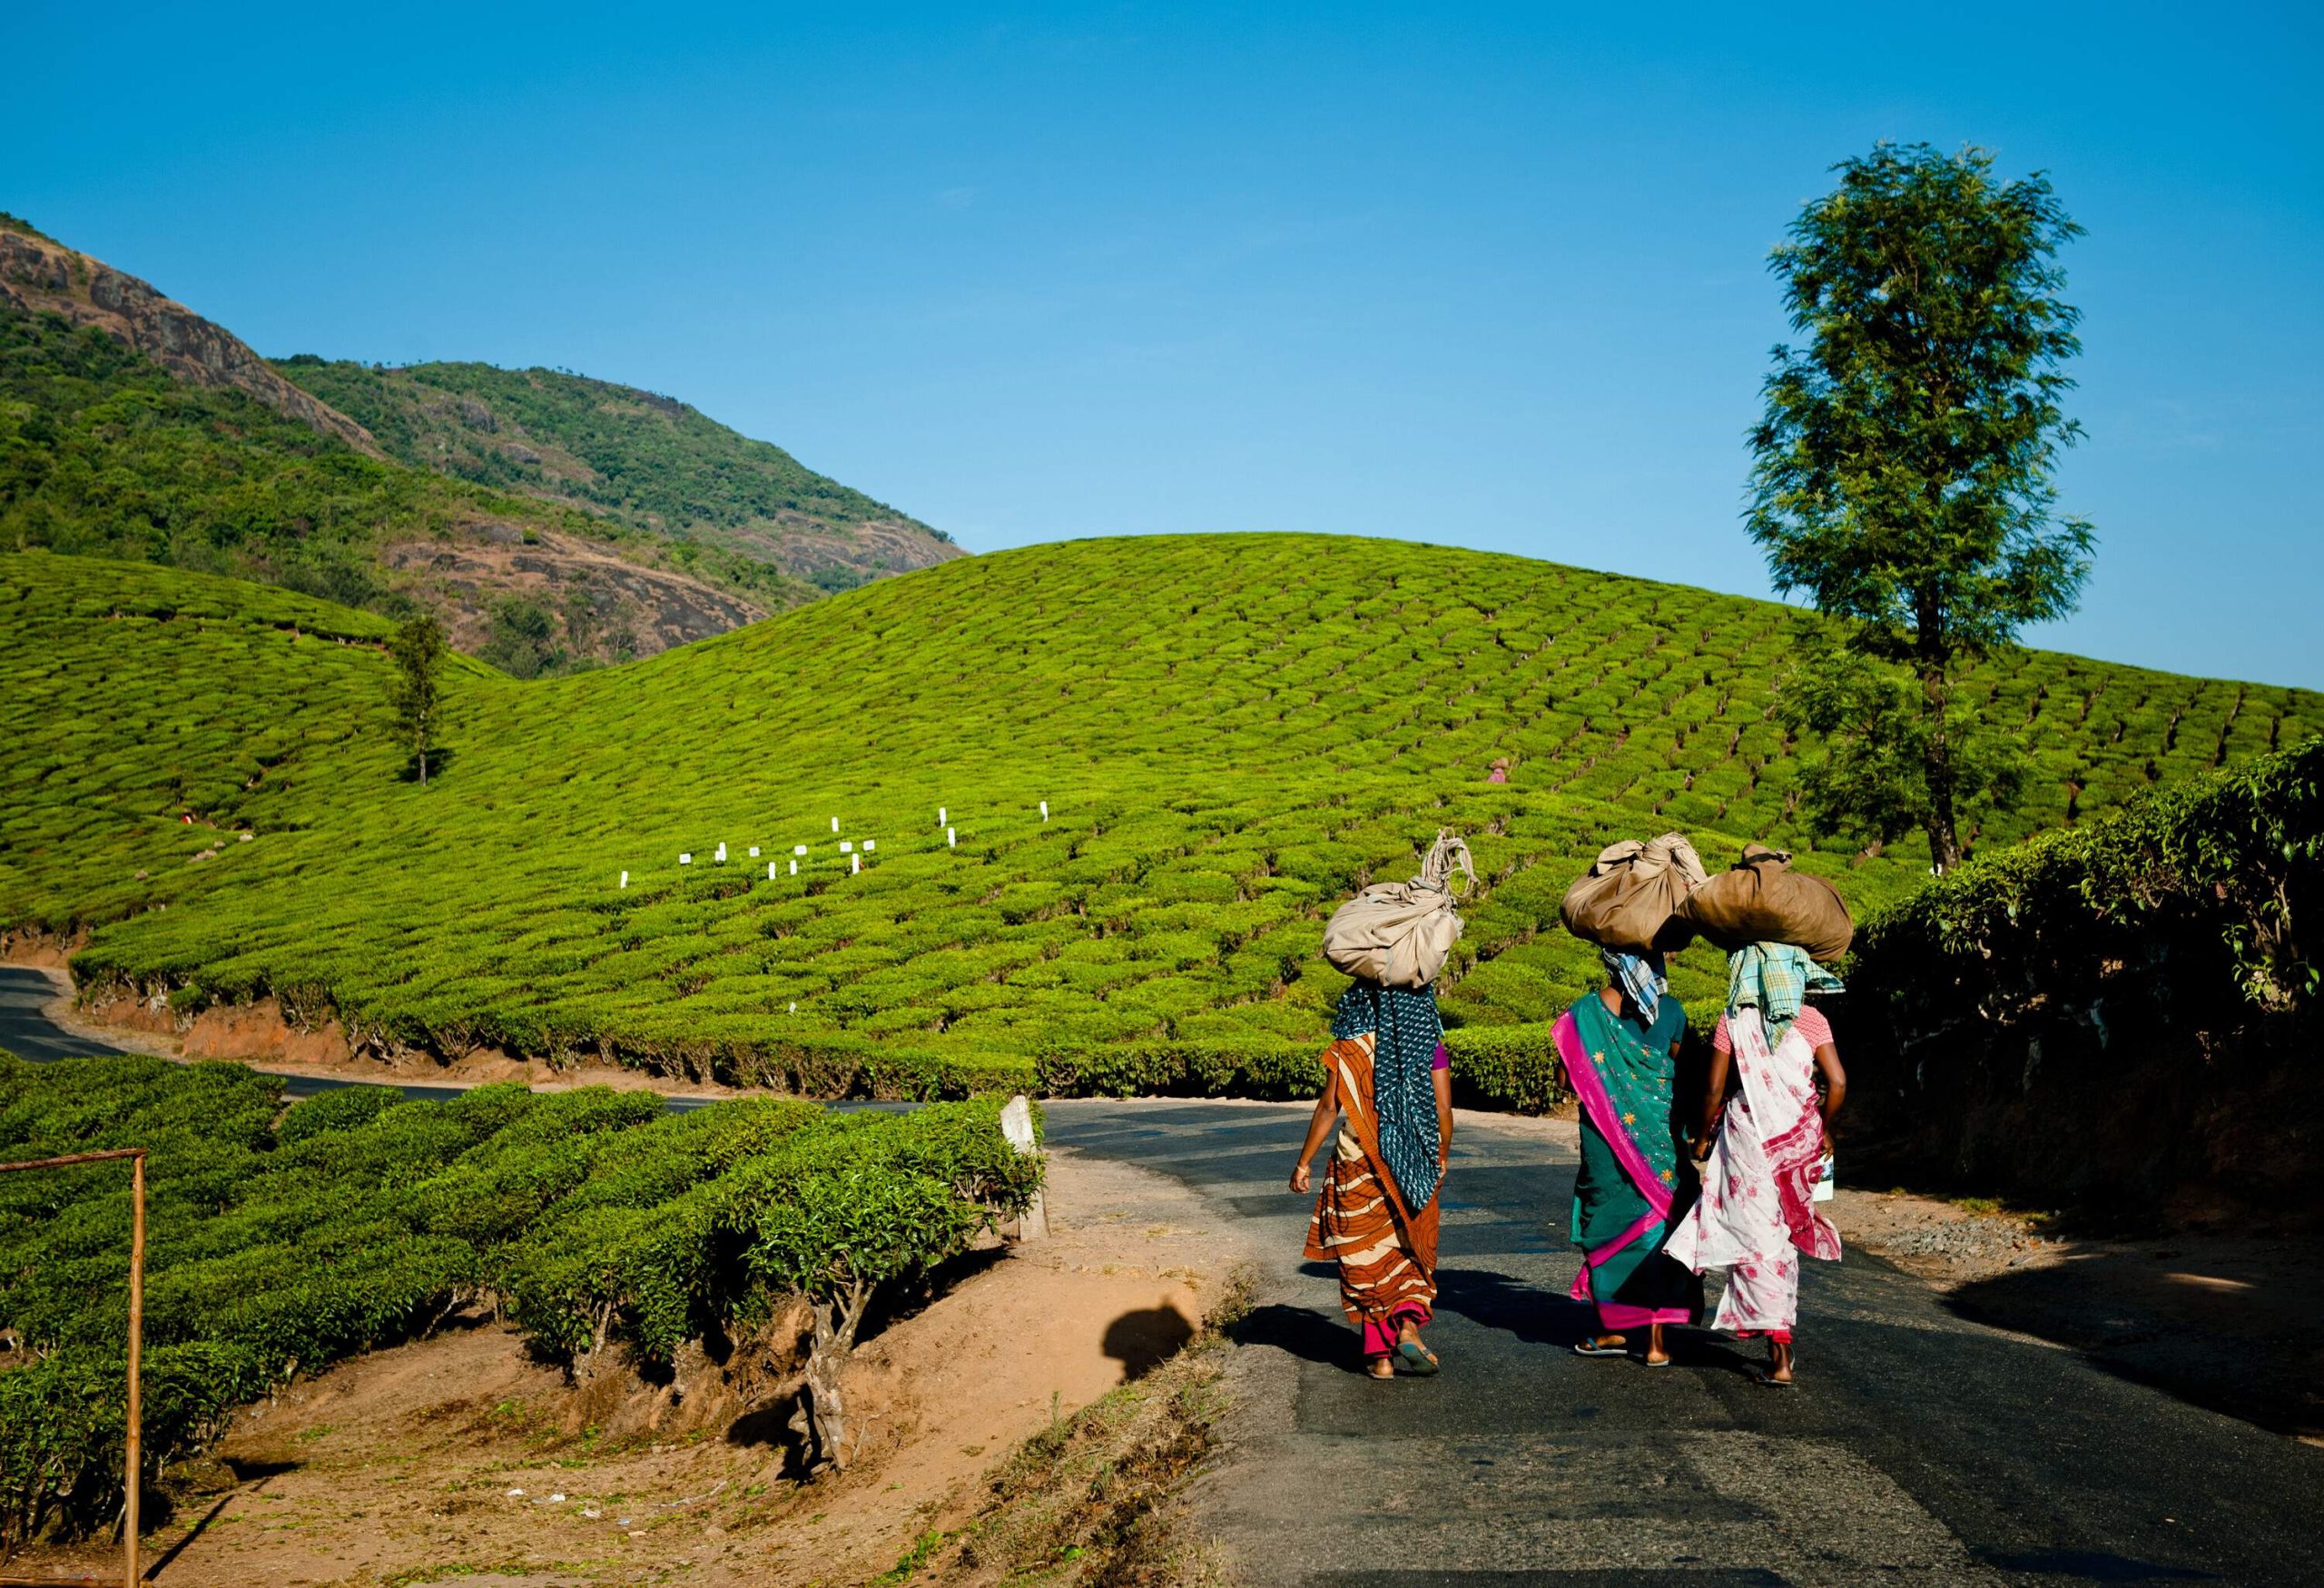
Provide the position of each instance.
(459, 1459)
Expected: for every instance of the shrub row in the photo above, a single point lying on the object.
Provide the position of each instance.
(594, 1217)
(1231, 734)
(2109, 1013)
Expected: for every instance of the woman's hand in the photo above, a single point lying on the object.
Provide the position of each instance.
(1702, 1149)
(1299, 1177)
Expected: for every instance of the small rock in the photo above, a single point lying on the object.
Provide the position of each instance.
(555, 1499)
(516, 1494)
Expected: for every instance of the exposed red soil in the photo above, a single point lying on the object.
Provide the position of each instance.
(399, 1467)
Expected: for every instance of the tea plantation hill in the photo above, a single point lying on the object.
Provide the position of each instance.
(646, 460)
(1231, 732)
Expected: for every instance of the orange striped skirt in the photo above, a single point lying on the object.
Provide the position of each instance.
(1386, 1256)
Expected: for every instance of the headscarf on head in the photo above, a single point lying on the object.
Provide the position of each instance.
(1406, 1030)
(1774, 977)
(1640, 978)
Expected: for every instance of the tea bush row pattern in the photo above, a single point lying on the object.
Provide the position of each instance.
(1230, 732)
(592, 1216)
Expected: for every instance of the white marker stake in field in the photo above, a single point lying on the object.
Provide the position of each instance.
(754, 851)
(1045, 810)
(854, 863)
(951, 842)
(834, 824)
(868, 846)
(795, 1006)
(770, 871)
(794, 868)
(686, 860)
(845, 847)
(625, 879)
(942, 817)
(798, 848)
(721, 856)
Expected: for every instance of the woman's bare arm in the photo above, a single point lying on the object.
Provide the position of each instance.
(1328, 1109)
(1714, 1098)
(1836, 1083)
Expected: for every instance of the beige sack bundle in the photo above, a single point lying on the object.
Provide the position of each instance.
(1400, 934)
(1763, 900)
(1627, 900)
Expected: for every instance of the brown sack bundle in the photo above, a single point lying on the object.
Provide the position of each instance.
(1763, 900)
(1627, 900)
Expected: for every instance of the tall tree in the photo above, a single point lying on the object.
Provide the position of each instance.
(415, 693)
(1902, 475)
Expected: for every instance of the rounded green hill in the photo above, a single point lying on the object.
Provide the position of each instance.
(1231, 732)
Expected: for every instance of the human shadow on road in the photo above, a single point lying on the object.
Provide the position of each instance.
(1534, 1315)
(1308, 1335)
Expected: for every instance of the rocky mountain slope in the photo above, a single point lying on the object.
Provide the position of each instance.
(39, 274)
(648, 461)
(612, 524)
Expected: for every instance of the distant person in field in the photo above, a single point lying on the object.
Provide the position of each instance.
(1764, 1144)
(1499, 773)
(1620, 1050)
(1387, 1082)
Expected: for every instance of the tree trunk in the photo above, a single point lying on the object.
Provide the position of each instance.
(835, 1324)
(1936, 818)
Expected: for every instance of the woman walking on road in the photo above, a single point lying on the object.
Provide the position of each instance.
(1620, 1050)
(1756, 1215)
(1386, 1080)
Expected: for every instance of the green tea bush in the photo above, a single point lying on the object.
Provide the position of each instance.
(281, 1241)
(2107, 1014)
(1232, 733)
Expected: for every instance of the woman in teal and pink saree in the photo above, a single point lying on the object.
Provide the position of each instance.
(1620, 1052)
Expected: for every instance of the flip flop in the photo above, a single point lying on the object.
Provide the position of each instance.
(1650, 1362)
(1413, 1357)
(1593, 1348)
(1762, 1375)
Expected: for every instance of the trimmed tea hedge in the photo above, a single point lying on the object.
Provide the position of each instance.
(2110, 1014)
(1231, 732)
(593, 1215)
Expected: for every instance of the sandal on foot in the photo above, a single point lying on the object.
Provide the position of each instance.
(1650, 1362)
(1765, 1376)
(1593, 1348)
(1416, 1359)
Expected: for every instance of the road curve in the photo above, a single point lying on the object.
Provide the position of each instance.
(1919, 1447)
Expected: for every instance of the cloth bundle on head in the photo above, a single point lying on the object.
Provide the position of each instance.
(1774, 978)
(1407, 1031)
(1640, 978)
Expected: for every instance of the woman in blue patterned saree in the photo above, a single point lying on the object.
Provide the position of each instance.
(1620, 1052)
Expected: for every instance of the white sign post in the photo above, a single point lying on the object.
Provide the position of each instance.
(686, 860)
(721, 856)
(854, 863)
(794, 867)
(868, 846)
(951, 840)
(941, 817)
(625, 879)
(770, 871)
(1017, 1128)
(834, 824)
(1045, 810)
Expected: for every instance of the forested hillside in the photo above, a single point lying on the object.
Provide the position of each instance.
(585, 524)
(647, 461)
(1230, 733)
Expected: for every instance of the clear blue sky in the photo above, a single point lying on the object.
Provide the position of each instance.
(1487, 277)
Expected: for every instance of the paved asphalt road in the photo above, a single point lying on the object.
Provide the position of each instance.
(1919, 1447)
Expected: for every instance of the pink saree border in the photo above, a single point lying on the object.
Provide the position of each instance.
(1590, 1089)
